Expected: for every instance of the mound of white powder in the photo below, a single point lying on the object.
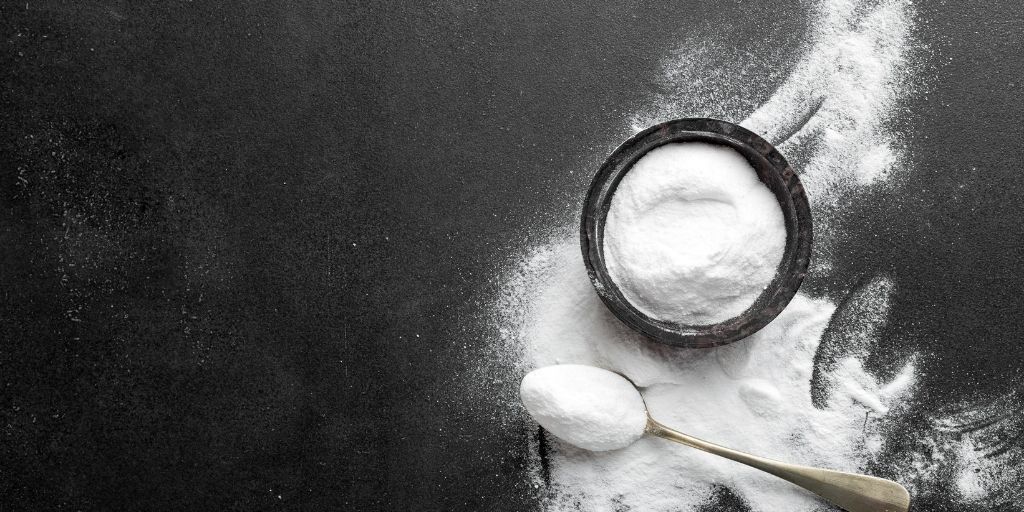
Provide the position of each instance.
(692, 235)
(589, 407)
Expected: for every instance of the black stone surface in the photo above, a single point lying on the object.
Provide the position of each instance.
(244, 243)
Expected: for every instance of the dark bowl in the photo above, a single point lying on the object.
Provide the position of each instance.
(773, 171)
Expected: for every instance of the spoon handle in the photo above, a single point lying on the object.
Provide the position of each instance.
(851, 492)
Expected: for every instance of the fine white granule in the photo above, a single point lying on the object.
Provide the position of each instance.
(692, 235)
(832, 116)
(589, 407)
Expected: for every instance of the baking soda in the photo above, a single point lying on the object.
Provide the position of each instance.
(692, 235)
(588, 407)
(797, 390)
(753, 395)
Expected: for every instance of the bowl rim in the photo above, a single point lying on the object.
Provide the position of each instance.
(772, 169)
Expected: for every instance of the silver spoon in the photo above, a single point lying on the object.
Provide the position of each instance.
(850, 491)
(598, 409)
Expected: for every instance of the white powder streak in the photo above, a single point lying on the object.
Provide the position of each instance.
(845, 88)
(831, 115)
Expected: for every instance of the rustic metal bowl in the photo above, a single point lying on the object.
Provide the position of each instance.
(773, 171)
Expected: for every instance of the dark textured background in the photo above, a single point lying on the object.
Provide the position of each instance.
(242, 243)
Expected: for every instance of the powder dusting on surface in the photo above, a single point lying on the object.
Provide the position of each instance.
(798, 390)
(588, 407)
(842, 93)
(976, 445)
(692, 235)
(753, 396)
(831, 115)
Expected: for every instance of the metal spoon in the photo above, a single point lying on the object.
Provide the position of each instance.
(849, 491)
(549, 392)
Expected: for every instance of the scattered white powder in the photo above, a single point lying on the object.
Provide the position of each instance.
(591, 408)
(692, 235)
(975, 446)
(832, 114)
(831, 118)
(843, 90)
(752, 395)
(971, 481)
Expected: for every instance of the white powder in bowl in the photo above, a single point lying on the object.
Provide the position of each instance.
(588, 407)
(692, 235)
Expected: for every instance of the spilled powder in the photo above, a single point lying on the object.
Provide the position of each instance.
(798, 390)
(973, 453)
(831, 116)
(753, 395)
(841, 94)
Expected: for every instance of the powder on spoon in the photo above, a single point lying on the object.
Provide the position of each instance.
(588, 407)
(692, 235)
